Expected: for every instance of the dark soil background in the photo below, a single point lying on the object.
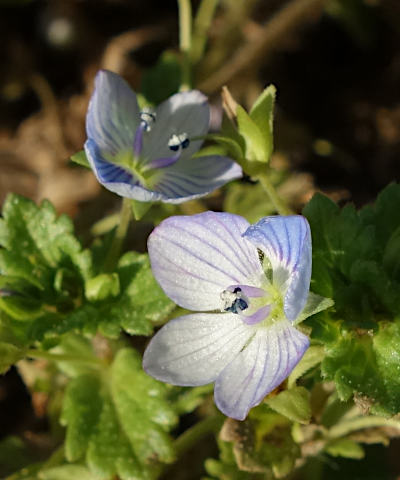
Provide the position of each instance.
(338, 113)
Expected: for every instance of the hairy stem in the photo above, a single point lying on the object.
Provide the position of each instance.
(119, 237)
(185, 40)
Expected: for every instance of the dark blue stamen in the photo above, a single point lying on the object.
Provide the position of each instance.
(237, 306)
(185, 143)
(174, 148)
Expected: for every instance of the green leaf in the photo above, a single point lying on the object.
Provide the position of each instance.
(35, 243)
(315, 304)
(81, 412)
(391, 255)
(163, 79)
(256, 148)
(118, 420)
(232, 147)
(142, 303)
(81, 159)
(43, 267)
(262, 113)
(248, 200)
(139, 209)
(293, 404)
(313, 356)
(139, 306)
(101, 287)
(66, 472)
(346, 448)
(9, 354)
(367, 366)
(386, 345)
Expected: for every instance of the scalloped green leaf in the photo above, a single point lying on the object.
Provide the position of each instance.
(118, 420)
(293, 404)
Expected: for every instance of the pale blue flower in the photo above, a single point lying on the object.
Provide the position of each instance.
(147, 154)
(251, 285)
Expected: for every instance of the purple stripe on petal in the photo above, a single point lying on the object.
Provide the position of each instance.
(113, 113)
(194, 349)
(184, 248)
(259, 368)
(286, 241)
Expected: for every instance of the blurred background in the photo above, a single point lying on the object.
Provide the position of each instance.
(335, 63)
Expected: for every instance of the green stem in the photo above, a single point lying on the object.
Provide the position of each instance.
(60, 357)
(277, 202)
(189, 438)
(202, 23)
(119, 237)
(185, 40)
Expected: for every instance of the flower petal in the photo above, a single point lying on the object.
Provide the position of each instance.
(185, 112)
(115, 178)
(195, 177)
(286, 241)
(193, 350)
(113, 114)
(260, 367)
(194, 258)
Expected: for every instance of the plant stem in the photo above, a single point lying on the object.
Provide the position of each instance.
(185, 40)
(60, 357)
(119, 237)
(277, 202)
(189, 438)
(202, 22)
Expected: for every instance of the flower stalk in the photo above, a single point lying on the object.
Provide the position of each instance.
(119, 237)
(185, 41)
(276, 200)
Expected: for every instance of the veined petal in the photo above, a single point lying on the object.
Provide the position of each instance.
(286, 241)
(115, 178)
(194, 349)
(185, 112)
(194, 258)
(191, 178)
(113, 114)
(260, 367)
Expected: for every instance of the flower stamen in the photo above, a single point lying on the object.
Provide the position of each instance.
(176, 142)
(147, 118)
(235, 301)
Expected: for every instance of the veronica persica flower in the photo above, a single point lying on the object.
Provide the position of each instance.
(147, 154)
(251, 285)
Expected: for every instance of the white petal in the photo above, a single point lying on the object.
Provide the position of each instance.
(113, 114)
(185, 112)
(286, 241)
(194, 258)
(193, 350)
(265, 362)
(191, 178)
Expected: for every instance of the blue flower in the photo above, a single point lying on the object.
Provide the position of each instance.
(251, 285)
(147, 154)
